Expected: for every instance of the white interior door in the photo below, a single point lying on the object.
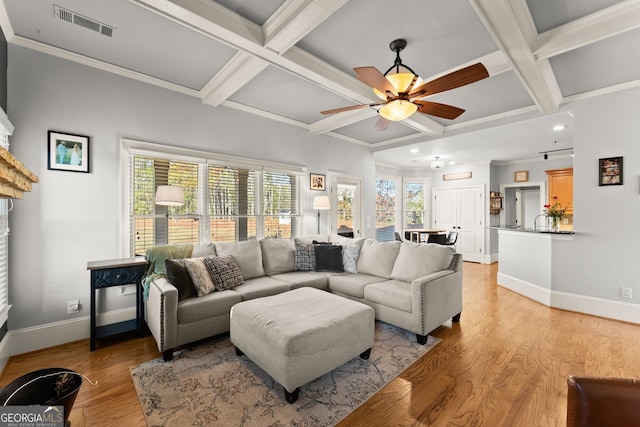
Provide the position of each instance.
(460, 210)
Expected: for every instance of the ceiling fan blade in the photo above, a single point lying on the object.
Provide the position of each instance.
(375, 79)
(439, 110)
(341, 109)
(458, 78)
(381, 124)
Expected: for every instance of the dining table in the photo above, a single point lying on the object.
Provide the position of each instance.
(421, 235)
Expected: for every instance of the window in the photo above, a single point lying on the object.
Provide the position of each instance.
(4, 242)
(385, 209)
(414, 204)
(224, 202)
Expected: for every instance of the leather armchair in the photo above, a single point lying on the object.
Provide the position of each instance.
(601, 401)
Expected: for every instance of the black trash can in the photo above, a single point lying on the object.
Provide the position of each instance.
(46, 387)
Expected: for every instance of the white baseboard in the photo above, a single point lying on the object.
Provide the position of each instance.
(4, 352)
(529, 290)
(491, 258)
(610, 309)
(52, 334)
(617, 310)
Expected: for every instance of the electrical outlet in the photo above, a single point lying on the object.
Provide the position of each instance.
(625, 293)
(73, 306)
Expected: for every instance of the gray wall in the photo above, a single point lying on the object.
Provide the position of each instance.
(71, 218)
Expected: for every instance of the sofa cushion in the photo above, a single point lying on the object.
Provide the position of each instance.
(247, 254)
(207, 307)
(224, 272)
(377, 258)
(416, 260)
(203, 249)
(341, 240)
(305, 257)
(392, 293)
(278, 256)
(328, 257)
(261, 287)
(352, 284)
(200, 276)
(178, 276)
(311, 237)
(300, 279)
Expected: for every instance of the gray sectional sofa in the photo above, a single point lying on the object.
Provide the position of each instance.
(413, 286)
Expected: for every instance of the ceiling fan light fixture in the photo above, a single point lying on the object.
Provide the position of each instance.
(437, 163)
(398, 110)
(400, 82)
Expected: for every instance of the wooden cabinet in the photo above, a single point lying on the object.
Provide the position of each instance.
(561, 185)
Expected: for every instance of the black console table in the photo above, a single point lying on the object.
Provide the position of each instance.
(116, 272)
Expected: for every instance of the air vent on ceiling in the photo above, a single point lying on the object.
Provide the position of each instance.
(83, 21)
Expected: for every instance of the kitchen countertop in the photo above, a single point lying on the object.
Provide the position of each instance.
(531, 230)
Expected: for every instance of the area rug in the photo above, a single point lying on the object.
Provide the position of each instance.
(208, 385)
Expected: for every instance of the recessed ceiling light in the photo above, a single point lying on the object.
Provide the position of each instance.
(558, 128)
(414, 150)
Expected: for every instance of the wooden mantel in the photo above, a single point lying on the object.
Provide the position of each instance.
(15, 178)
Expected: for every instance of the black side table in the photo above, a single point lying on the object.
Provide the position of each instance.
(116, 272)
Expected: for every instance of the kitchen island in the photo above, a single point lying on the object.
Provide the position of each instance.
(526, 260)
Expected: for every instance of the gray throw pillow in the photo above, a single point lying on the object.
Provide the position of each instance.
(305, 257)
(350, 254)
(200, 276)
(224, 272)
(178, 276)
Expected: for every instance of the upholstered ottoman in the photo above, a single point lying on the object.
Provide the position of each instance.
(300, 335)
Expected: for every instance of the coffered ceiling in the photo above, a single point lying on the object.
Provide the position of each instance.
(290, 59)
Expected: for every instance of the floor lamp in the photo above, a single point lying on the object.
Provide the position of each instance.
(321, 203)
(169, 195)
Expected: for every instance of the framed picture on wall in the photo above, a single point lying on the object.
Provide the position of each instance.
(610, 171)
(316, 182)
(68, 152)
(521, 176)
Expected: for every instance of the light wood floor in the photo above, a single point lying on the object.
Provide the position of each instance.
(504, 364)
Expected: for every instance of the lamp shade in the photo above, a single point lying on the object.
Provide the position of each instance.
(169, 195)
(321, 203)
(398, 110)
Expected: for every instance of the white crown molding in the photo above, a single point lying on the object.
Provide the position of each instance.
(603, 91)
(100, 65)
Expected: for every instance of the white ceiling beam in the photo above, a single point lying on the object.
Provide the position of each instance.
(598, 26)
(510, 25)
(346, 118)
(236, 73)
(292, 21)
(295, 19)
(424, 124)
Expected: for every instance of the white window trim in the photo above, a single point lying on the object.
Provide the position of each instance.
(131, 147)
(6, 129)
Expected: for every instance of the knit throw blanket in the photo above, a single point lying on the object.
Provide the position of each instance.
(156, 256)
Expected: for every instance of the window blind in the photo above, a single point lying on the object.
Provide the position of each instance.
(4, 246)
(223, 202)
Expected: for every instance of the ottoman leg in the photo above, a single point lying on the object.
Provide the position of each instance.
(293, 396)
(366, 354)
(238, 351)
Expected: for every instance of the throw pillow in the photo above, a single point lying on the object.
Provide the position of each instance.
(328, 258)
(200, 276)
(178, 276)
(305, 257)
(224, 272)
(350, 254)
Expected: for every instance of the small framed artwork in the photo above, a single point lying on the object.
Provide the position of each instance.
(521, 176)
(68, 152)
(610, 171)
(317, 181)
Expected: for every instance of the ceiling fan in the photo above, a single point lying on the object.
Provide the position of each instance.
(401, 88)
